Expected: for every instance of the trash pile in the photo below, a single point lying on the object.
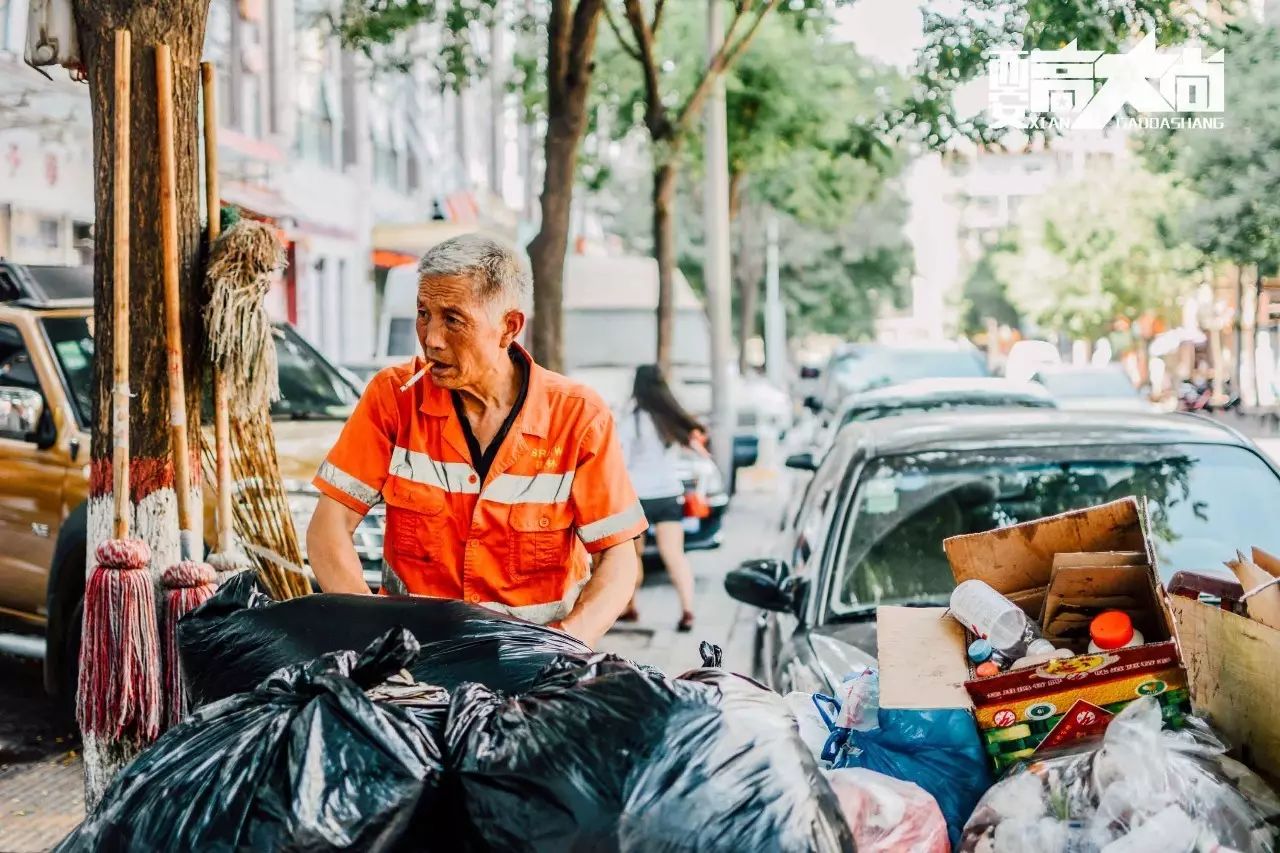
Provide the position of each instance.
(1142, 789)
(529, 742)
(1052, 712)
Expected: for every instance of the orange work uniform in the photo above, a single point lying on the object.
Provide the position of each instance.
(518, 542)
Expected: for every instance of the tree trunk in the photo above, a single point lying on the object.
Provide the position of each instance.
(1237, 337)
(179, 24)
(749, 271)
(571, 38)
(664, 250)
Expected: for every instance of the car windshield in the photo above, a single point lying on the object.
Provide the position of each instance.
(310, 387)
(864, 369)
(1088, 383)
(1205, 501)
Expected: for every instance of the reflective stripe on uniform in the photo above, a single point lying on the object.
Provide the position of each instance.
(458, 477)
(552, 611)
(535, 489)
(612, 525)
(348, 485)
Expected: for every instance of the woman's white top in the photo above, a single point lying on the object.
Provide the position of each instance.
(651, 464)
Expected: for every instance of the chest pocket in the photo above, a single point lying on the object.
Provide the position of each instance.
(415, 523)
(541, 538)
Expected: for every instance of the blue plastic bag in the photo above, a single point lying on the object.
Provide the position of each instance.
(939, 750)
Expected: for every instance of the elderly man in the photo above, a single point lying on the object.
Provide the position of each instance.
(499, 477)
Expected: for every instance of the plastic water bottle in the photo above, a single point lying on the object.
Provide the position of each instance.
(999, 621)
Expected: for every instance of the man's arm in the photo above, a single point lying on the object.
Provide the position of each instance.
(606, 595)
(330, 548)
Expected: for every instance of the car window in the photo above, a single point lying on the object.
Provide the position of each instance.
(1088, 383)
(878, 367)
(16, 369)
(73, 348)
(1205, 501)
(813, 519)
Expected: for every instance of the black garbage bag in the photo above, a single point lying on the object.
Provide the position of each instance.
(614, 757)
(306, 761)
(240, 636)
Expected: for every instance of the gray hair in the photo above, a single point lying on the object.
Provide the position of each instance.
(496, 270)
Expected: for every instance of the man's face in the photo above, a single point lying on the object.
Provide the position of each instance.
(462, 336)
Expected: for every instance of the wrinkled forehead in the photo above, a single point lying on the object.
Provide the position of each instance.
(448, 291)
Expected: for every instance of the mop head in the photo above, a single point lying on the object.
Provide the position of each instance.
(187, 585)
(119, 690)
(228, 565)
(241, 263)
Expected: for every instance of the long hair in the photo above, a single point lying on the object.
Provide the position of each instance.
(653, 396)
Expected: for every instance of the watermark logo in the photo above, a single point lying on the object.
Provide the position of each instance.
(1086, 89)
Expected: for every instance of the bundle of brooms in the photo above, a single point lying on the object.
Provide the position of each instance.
(242, 261)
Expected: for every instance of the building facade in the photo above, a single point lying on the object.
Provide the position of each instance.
(359, 169)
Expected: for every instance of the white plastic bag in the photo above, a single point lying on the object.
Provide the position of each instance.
(1142, 789)
(813, 729)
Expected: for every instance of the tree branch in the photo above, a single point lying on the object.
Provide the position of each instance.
(582, 47)
(723, 60)
(655, 118)
(617, 33)
(657, 15)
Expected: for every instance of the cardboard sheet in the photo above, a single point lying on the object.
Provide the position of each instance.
(921, 651)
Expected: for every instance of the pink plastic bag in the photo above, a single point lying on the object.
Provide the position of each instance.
(887, 815)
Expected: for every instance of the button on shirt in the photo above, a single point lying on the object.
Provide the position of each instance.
(516, 540)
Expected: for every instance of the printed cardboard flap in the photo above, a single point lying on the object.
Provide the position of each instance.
(1018, 561)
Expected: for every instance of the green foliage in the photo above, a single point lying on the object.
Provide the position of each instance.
(1234, 172)
(378, 28)
(985, 293)
(1091, 252)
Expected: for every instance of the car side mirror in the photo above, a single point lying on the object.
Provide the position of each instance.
(763, 583)
(802, 462)
(21, 412)
(813, 403)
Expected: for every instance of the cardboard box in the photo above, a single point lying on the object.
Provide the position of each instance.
(1231, 660)
(1066, 699)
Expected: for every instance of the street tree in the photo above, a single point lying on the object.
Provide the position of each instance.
(668, 99)
(1234, 174)
(1102, 250)
(567, 30)
(180, 25)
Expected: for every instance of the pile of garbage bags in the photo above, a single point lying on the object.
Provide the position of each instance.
(935, 751)
(241, 636)
(1141, 789)
(357, 751)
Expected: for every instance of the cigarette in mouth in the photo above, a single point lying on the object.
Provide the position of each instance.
(413, 380)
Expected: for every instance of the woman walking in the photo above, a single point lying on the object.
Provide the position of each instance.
(653, 429)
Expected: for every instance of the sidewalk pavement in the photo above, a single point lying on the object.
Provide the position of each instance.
(42, 801)
(748, 530)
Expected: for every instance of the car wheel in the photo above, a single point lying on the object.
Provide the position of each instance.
(69, 674)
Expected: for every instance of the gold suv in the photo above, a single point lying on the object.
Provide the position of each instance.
(46, 405)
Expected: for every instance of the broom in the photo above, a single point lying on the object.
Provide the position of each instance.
(242, 350)
(227, 561)
(119, 686)
(187, 583)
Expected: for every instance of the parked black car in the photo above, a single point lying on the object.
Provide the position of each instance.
(870, 526)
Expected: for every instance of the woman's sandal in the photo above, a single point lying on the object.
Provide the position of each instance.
(685, 625)
(630, 615)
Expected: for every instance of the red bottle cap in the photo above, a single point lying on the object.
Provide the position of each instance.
(987, 669)
(1111, 629)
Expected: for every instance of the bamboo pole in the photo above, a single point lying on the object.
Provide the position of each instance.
(173, 317)
(221, 399)
(120, 290)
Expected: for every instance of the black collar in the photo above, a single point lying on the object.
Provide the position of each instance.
(482, 460)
